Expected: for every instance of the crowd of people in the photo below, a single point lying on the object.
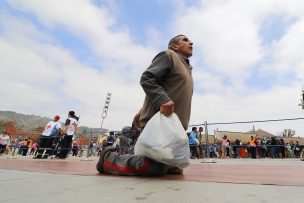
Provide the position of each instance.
(54, 141)
(51, 146)
(264, 148)
(123, 143)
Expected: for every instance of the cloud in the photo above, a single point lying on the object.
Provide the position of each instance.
(286, 53)
(277, 103)
(43, 77)
(226, 36)
(92, 24)
(229, 50)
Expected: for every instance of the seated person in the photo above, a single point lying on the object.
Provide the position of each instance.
(51, 130)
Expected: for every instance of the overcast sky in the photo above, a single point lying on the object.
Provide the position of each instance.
(62, 55)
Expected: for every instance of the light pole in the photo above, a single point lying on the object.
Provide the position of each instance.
(302, 104)
(302, 100)
(105, 109)
(103, 116)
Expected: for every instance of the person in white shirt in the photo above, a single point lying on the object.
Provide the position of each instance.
(51, 130)
(4, 142)
(223, 146)
(69, 131)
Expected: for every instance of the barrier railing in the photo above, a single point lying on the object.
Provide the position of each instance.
(206, 124)
(206, 146)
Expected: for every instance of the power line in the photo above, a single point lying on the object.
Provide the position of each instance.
(241, 122)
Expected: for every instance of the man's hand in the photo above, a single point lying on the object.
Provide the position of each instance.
(167, 108)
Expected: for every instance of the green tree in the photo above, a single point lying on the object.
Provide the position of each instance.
(288, 133)
(2, 125)
(302, 100)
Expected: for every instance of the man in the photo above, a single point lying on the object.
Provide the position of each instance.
(168, 85)
(110, 139)
(297, 149)
(51, 130)
(125, 141)
(193, 142)
(25, 146)
(202, 148)
(252, 147)
(236, 149)
(70, 128)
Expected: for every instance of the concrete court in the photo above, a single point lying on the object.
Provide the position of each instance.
(56, 181)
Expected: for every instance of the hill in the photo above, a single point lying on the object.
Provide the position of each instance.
(31, 122)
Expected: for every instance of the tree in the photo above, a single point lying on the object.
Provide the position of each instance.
(302, 100)
(2, 124)
(288, 133)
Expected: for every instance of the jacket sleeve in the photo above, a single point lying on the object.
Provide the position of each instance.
(153, 78)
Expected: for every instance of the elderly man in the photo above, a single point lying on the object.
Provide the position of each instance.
(168, 85)
(168, 82)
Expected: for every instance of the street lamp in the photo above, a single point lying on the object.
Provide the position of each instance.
(302, 100)
(105, 109)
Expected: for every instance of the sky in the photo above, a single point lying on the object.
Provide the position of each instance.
(62, 55)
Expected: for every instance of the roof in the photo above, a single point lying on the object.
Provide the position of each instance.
(211, 139)
(261, 133)
(293, 139)
(232, 136)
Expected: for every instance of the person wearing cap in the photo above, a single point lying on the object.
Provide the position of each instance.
(168, 85)
(69, 130)
(125, 142)
(51, 130)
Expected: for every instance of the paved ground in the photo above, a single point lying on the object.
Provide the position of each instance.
(76, 180)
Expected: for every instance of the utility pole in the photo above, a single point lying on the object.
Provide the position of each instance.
(207, 160)
(207, 139)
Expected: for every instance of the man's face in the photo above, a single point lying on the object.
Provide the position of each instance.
(184, 46)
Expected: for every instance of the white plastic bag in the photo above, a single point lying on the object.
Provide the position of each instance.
(165, 140)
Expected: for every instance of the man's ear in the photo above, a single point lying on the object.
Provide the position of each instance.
(174, 47)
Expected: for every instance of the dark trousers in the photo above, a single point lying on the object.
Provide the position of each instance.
(75, 150)
(24, 150)
(66, 144)
(2, 148)
(193, 151)
(133, 165)
(32, 151)
(253, 152)
(236, 152)
(263, 152)
(228, 151)
(45, 142)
